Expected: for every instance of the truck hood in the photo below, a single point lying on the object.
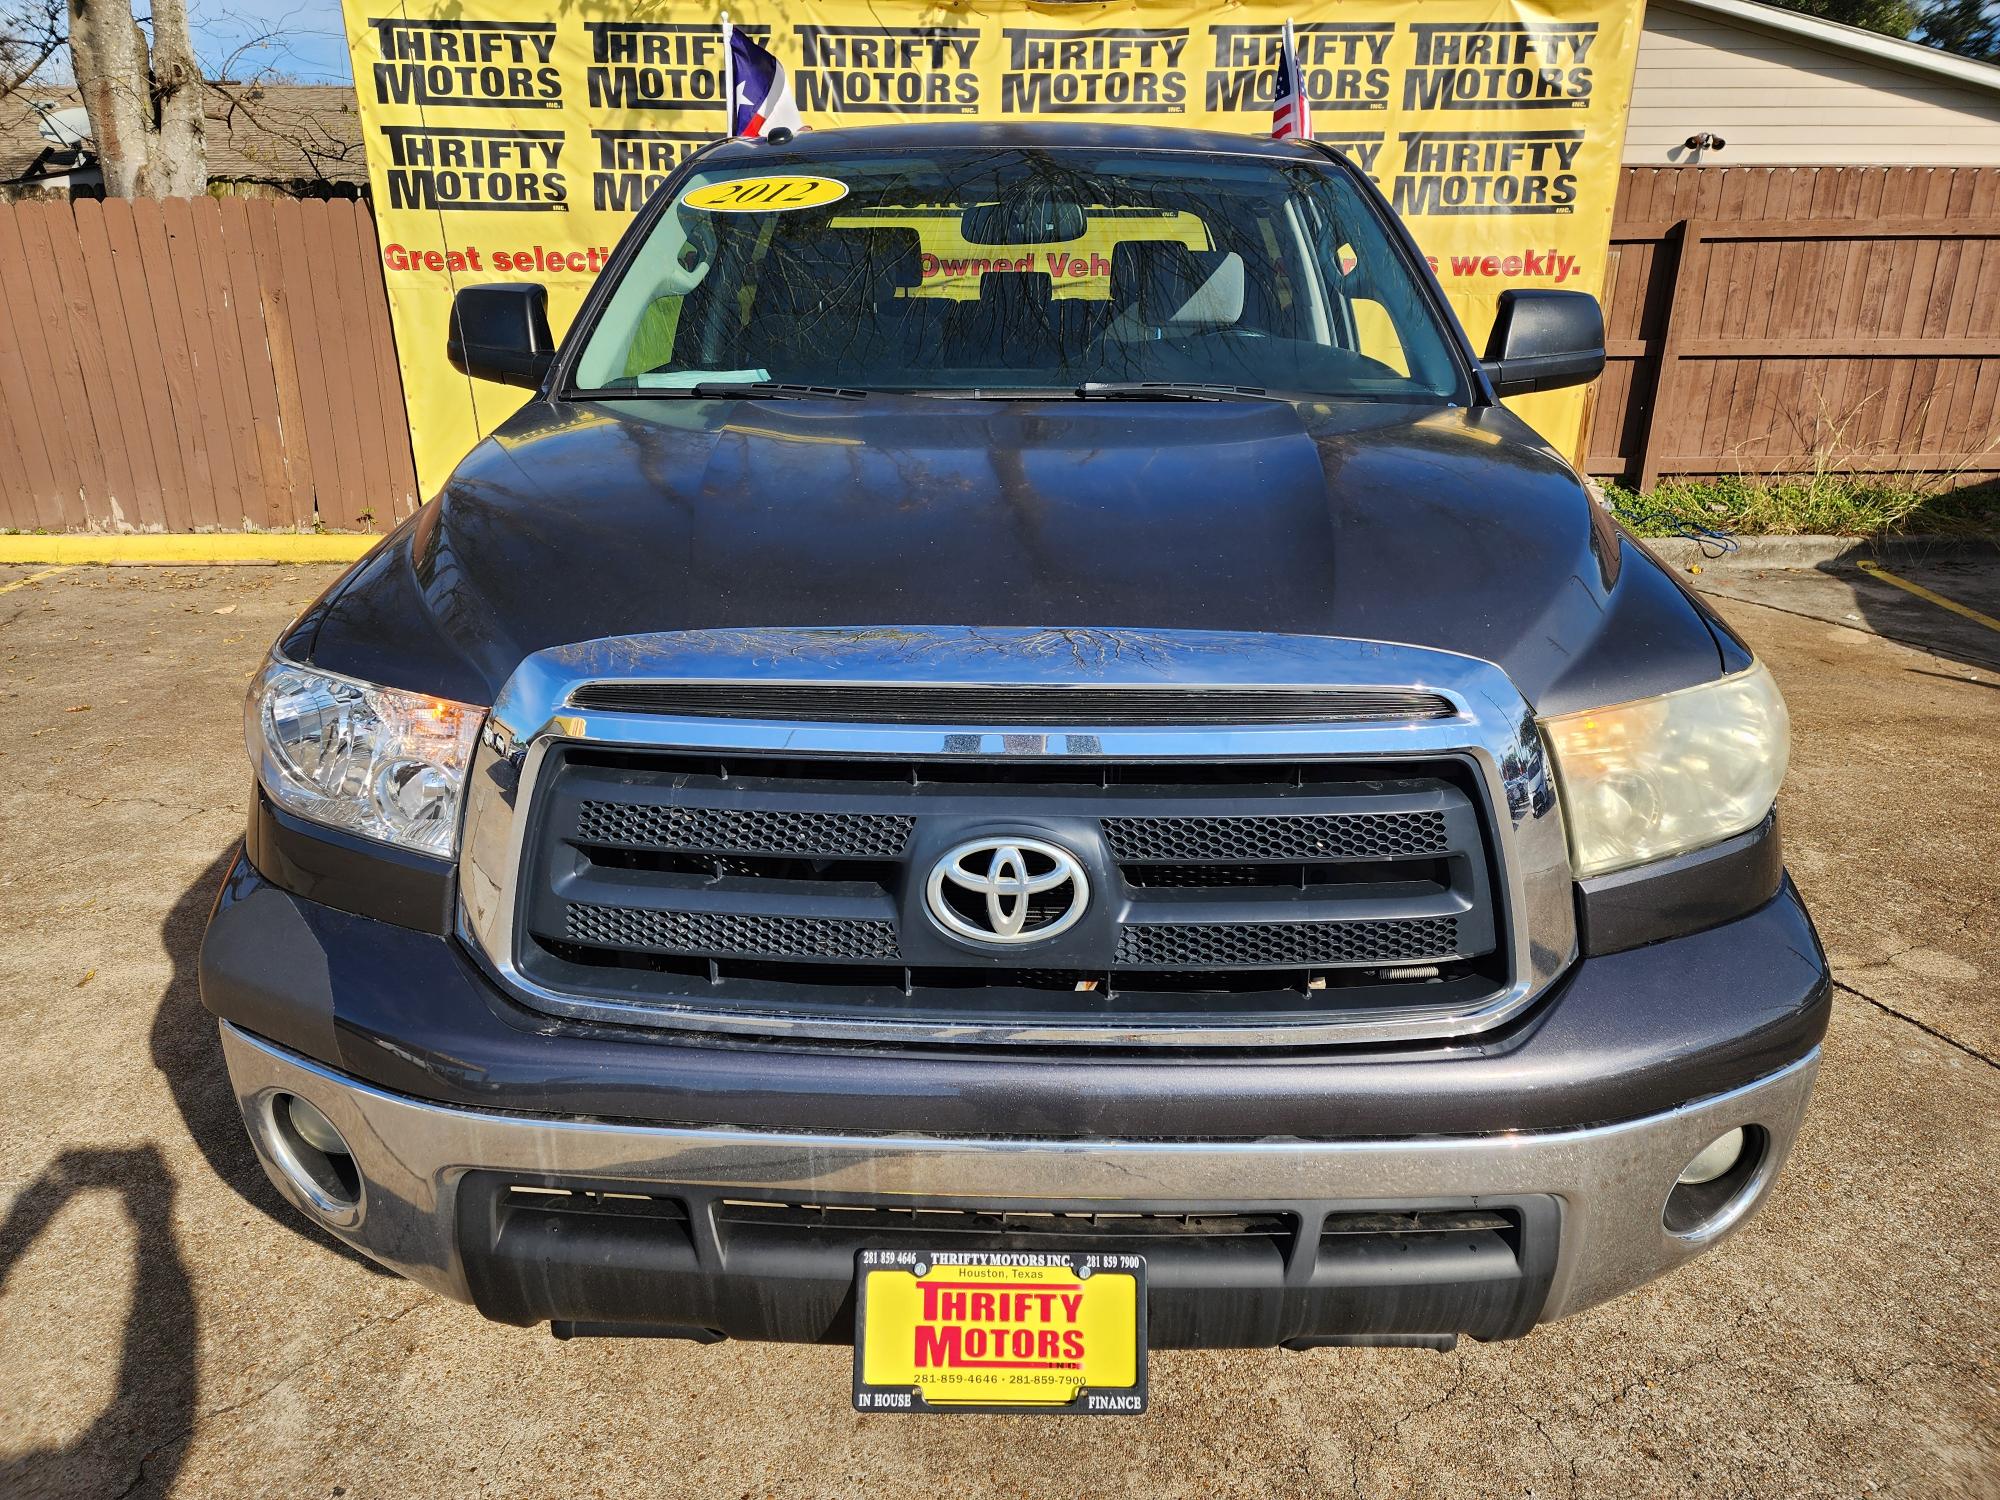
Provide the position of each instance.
(1433, 526)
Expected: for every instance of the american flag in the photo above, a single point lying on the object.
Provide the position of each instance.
(1291, 111)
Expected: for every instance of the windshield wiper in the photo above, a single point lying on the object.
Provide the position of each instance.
(771, 390)
(1170, 390)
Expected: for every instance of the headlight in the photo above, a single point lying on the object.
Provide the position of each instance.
(375, 761)
(1646, 780)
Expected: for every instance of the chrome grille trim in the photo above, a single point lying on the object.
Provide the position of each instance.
(1492, 727)
(1043, 705)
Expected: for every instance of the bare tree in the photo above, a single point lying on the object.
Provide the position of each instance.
(144, 97)
(31, 33)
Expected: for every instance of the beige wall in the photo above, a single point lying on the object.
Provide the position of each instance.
(1776, 101)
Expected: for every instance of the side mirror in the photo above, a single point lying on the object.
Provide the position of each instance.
(1543, 341)
(501, 332)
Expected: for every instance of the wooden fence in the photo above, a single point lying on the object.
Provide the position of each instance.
(193, 363)
(1791, 319)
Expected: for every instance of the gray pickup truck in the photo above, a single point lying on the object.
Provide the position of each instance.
(1012, 760)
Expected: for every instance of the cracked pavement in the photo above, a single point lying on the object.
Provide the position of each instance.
(169, 1326)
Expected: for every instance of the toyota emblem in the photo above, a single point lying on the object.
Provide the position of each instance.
(1007, 890)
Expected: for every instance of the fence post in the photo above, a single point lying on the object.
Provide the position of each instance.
(1673, 333)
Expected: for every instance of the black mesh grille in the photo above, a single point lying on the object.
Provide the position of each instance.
(734, 830)
(1264, 944)
(709, 932)
(1237, 893)
(1322, 837)
(1200, 877)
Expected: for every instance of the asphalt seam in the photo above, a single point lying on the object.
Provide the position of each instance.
(1924, 1026)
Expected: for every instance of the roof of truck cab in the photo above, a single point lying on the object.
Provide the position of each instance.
(977, 135)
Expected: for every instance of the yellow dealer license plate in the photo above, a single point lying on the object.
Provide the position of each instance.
(1001, 1331)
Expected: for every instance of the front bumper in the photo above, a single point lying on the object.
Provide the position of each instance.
(1586, 1205)
(1621, 1035)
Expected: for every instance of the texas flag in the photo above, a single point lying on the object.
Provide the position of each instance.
(763, 101)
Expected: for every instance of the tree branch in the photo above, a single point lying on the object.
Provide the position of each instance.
(31, 33)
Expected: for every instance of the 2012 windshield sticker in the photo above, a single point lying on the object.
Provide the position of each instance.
(765, 195)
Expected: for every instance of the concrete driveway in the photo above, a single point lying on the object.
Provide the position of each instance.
(167, 1325)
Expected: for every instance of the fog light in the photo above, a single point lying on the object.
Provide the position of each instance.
(1717, 1188)
(320, 1134)
(1714, 1159)
(315, 1158)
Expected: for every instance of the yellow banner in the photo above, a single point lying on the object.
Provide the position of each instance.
(506, 145)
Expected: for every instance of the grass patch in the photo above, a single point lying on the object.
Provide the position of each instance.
(1820, 505)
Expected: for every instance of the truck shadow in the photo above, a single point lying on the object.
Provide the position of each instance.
(1966, 575)
(188, 1054)
(136, 1445)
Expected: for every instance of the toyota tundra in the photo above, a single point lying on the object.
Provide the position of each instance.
(1013, 759)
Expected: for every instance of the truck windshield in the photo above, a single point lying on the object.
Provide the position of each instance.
(1022, 271)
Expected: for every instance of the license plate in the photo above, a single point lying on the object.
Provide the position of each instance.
(1021, 1331)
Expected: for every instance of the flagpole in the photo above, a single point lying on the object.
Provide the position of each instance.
(1304, 106)
(728, 80)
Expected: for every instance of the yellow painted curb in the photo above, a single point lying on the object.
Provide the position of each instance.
(187, 550)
